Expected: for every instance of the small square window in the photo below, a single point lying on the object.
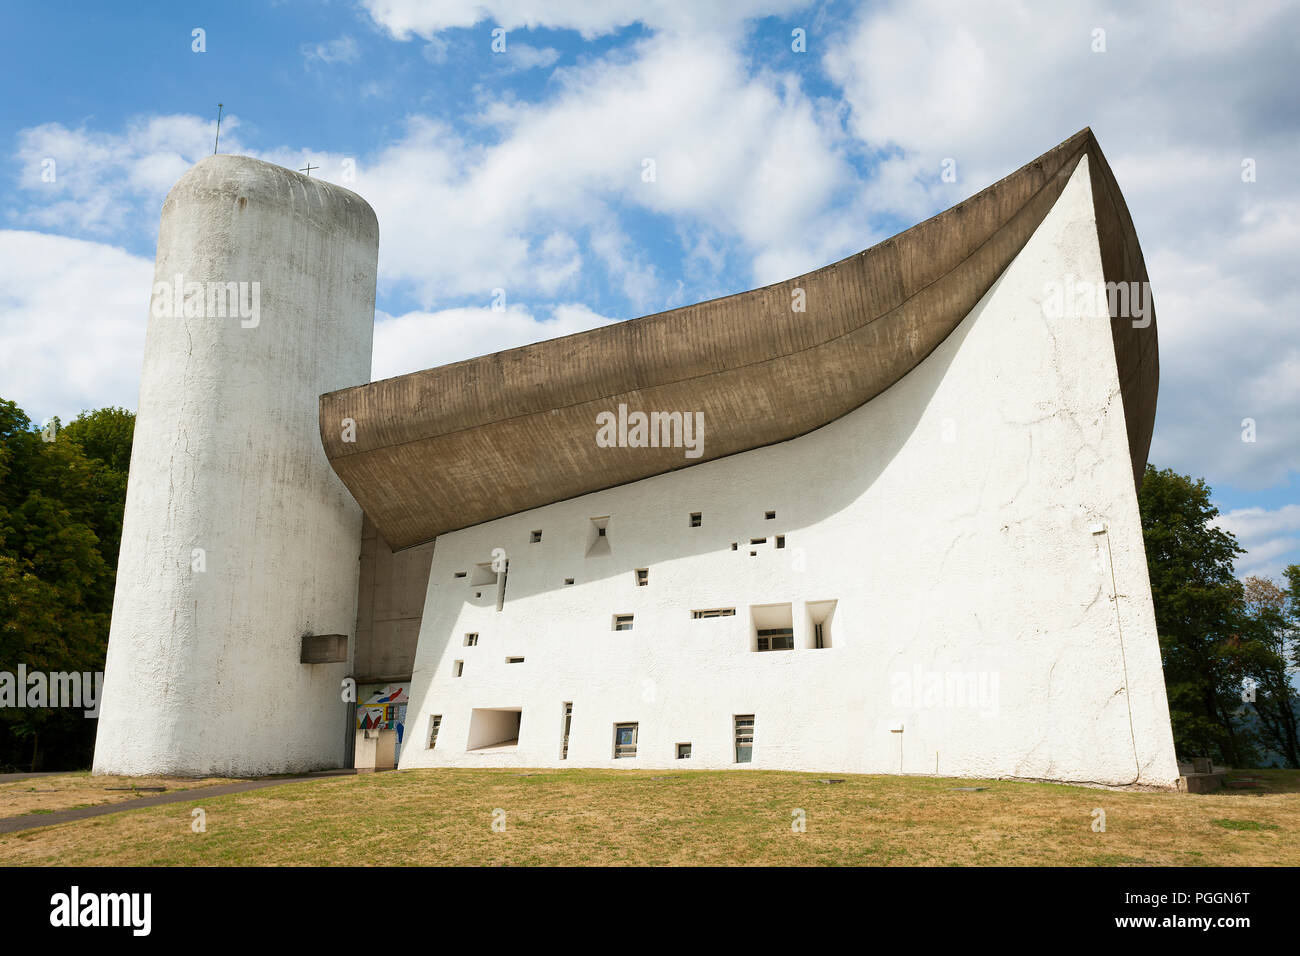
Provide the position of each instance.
(697, 518)
(535, 537)
(458, 668)
(683, 751)
(568, 581)
(770, 515)
(642, 577)
(622, 622)
(471, 640)
(600, 532)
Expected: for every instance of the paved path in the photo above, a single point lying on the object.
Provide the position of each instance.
(33, 820)
(10, 777)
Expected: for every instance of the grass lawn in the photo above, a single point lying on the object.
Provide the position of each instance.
(445, 817)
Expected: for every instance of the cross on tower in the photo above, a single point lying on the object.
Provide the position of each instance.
(308, 168)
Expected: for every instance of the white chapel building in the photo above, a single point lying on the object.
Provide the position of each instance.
(879, 518)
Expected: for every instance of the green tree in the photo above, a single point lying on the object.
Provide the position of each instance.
(61, 504)
(1266, 650)
(1199, 605)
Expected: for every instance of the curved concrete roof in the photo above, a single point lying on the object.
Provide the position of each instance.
(454, 446)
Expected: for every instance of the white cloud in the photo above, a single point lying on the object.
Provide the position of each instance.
(111, 184)
(342, 50)
(745, 155)
(522, 56)
(402, 18)
(72, 322)
(420, 340)
(1271, 538)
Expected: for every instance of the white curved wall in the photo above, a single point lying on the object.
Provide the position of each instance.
(203, 672)
(952, 520)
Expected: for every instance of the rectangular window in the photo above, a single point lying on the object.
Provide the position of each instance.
(697, 519)
(780, 541)
(460, 574)
(535, 537)
(772, 627)
(770, 515)
(458, 668)
(435, 723)
(564, 730)
(758, 540)
(683, 751)
(471, 640)
(642, 577)
(514, 660)
(624, 741)
(714, 612)
(744, 738)
(568, 581)
(819, 638)
(622, 622)
(776, 638)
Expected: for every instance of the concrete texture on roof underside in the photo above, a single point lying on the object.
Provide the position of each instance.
(454, 446)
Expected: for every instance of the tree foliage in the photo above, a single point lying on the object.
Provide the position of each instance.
(1220, 639)
(62, 495)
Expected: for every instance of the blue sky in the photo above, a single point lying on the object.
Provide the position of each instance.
(522, 170)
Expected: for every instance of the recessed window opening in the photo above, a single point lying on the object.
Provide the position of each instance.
(565, 725)
(458, 668)
(514, 660)
(460, 574)
(484, 574)
(598, 536)
(642, 577)
(780, 541)
(744, 738)
(568, 581)
(821, 615)
(713, 612)
(624, 741)
(772, 627)
(697, 518)
(683, 751)
(758, 540)
(770, 515)
(734, 545)
(435, 723)
(622, 622)
(471, 640)
(535, 537)
(492, 728)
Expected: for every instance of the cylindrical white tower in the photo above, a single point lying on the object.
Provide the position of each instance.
(238, 538)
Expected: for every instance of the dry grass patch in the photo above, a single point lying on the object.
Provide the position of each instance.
(581, 817)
